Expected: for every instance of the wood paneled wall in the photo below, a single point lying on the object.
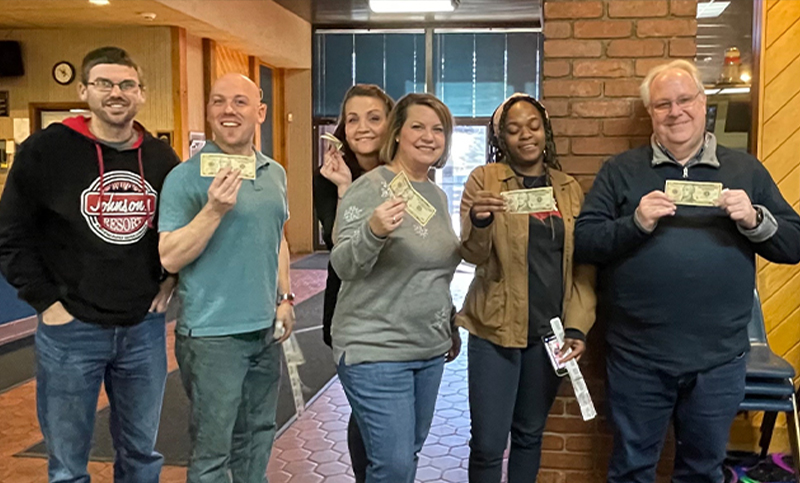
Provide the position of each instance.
(229, 60)
(778, 145)
(150, 47)
(780, 141)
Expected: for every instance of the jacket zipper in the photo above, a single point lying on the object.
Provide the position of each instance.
(685, 172)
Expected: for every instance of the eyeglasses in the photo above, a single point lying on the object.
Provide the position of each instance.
(105, 85)
(683, 102)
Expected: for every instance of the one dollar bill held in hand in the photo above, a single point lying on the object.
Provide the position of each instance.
(534, 200)
(337, 144)
(693, 193)
(212, 163)
(416, 206)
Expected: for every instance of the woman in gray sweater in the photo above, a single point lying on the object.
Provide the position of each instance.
(392, 326)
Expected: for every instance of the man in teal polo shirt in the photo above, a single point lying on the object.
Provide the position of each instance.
(224, 237)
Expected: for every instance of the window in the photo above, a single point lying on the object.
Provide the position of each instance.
(467, 153)
(474, 72)
(393, 61)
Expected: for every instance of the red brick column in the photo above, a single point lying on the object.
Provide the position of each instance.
(596, 54)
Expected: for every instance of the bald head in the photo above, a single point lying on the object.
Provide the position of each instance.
(234, 111)
(238, 83)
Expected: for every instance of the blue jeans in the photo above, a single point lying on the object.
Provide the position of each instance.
(701, 405)
(73, 360)
(510, 390)
(393, 403)
(232, 383)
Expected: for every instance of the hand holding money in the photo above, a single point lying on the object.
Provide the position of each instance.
(223, 191)
(336, 171)
(387, 217)
(572, 349)
(652, 207)
(485, 203)
(286, 318)
(739, 208)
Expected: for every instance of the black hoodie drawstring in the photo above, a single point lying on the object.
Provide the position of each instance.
(100, 218)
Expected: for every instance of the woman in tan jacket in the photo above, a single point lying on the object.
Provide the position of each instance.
(524, 277)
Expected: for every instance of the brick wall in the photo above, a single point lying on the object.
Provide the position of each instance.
(596, 54)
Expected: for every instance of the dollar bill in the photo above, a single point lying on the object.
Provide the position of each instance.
(588, 410)
(294, 357)
(212, 163)
(693, 193)
(416, 205)
(535, 200)
(333, 140)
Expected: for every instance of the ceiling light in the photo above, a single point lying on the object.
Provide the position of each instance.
(711, 9)
(735, 90)
(412, 6)
(99, 2)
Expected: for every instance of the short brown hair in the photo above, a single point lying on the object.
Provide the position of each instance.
(358, 90)
(398, 116)
(108, 55)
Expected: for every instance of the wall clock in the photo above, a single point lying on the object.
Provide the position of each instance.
(63, 73)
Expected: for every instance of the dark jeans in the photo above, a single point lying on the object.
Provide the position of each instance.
(232, 383)
(73, 360)
(510, 390)
(701, 405)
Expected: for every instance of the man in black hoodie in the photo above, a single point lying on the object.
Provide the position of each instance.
(676, 282)
(78, 240)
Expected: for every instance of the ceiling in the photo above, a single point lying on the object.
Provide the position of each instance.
(201, 18)
(732, 28)
(478, 13)
(80, 13)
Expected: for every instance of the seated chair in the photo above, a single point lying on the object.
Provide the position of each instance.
(769, 387)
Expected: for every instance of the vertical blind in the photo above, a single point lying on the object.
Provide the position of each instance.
(395, 62)
(473, 72)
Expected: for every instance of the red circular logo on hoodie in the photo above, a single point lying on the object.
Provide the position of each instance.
(121, 216)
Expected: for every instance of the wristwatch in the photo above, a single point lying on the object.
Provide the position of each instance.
(759, 216)
(286, 297)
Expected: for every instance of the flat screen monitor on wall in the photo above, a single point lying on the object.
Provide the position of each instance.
(11, 59)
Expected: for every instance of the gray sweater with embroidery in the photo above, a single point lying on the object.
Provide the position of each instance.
(394, 304)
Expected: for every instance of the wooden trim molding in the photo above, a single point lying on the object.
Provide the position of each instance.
(36, 108)
(254, 75)
(756, 90)
(209, 71)
(180, 93)
(279, 121)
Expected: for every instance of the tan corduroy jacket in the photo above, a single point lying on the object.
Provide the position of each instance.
(496, 306)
